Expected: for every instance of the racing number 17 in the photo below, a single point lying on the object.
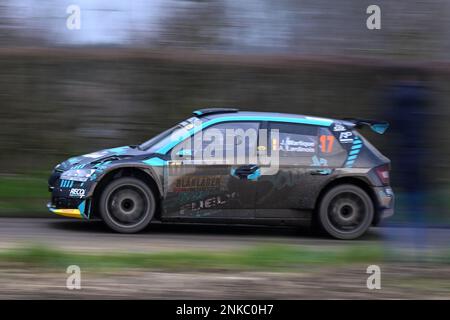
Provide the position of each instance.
(326, 143)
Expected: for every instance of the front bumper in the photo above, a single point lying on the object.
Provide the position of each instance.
(70, 198)
(71, 213)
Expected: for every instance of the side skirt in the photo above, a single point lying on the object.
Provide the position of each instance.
(302, 218)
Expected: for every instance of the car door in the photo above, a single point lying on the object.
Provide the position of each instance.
(281, 194)
(203, 178)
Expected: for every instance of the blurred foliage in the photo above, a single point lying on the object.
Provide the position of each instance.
(55, 109)
(24, 195)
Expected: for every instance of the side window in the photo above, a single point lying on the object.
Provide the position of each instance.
(307, 145)
(233, 140)
(297, 143)
(330, 152)
(230, 141)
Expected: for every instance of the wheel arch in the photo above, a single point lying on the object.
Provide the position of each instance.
(127, 171)
(357, 181)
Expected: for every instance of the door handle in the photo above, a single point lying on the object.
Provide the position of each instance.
(250, 172)
(320, 172)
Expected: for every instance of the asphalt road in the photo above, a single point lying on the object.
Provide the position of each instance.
(94, 236)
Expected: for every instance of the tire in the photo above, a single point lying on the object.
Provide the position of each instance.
(346, 212)
(127, 205)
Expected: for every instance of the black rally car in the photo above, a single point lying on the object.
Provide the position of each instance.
(266, 168)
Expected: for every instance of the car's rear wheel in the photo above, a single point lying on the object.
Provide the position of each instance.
(127, 205)
(346, 212)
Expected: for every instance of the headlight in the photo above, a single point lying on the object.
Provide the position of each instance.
(77, 174)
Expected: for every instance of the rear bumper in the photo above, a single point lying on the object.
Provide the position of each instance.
(386, 213)
(385, 205)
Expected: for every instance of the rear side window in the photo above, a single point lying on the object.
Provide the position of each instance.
(330, 151)
(308, 145)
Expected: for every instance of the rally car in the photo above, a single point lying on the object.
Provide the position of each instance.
(234, 167)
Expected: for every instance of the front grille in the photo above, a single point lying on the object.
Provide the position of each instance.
(65, 203)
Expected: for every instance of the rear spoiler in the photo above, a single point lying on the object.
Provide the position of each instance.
(377, 126)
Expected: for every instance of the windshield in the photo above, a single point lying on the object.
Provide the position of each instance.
(165, 137)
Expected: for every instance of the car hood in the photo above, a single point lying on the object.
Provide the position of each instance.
(113, 154)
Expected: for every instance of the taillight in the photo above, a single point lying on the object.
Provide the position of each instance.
(383, 173)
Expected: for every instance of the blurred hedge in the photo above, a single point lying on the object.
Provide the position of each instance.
(58, 103)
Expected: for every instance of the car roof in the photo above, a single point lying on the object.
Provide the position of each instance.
(270, 116)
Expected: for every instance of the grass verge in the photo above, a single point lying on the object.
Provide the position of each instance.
(22, 195)
(269, 257)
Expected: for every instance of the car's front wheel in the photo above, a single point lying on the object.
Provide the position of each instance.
(127, 205)
(346, 212)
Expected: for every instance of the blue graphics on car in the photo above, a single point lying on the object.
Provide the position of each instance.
(229, 166)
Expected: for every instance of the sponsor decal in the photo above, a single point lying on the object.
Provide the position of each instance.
(208, 203)
(291, 145)
(196, 183)
(319, 162)
(66, 183)
(80, 166)
(346, 137)
(338, 127)
(354, 151)
(77, 193)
